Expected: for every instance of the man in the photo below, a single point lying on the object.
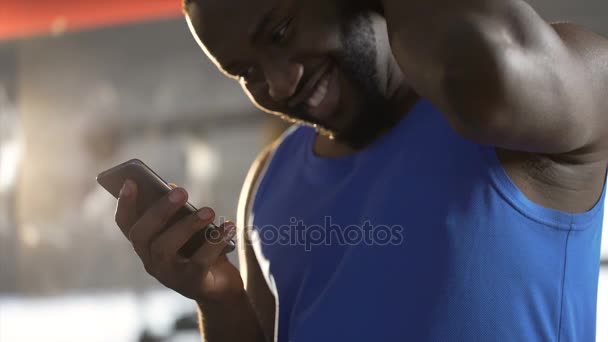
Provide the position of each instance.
(469, 139)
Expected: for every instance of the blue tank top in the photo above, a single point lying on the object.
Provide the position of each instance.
(422, 236)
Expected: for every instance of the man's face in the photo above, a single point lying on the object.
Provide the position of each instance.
(312, 61)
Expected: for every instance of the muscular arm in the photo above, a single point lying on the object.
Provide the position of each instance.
(250, 317)
(230, 321)
(501, 74)
(261, 297)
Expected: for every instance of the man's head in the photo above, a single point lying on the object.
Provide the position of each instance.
(320, 62)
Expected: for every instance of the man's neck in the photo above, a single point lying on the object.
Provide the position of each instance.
(327, 147)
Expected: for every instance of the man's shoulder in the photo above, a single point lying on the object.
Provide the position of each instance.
(256, 172)
(251, 181)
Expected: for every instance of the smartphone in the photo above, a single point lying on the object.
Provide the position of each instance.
(151, 188)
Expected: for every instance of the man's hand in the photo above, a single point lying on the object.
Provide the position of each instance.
(207, 275)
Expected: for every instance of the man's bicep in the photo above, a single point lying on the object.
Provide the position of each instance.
(557, 96)
(259, 293)
(591, 50)
(516, 82)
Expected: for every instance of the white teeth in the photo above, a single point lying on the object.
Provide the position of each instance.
(319, 94)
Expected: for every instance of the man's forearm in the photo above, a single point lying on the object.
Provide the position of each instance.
(230, 321)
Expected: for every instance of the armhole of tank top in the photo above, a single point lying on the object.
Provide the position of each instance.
(517, 200)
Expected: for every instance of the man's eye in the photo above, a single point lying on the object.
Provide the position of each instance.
(280, 32)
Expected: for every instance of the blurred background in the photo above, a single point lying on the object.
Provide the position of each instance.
(85, 85)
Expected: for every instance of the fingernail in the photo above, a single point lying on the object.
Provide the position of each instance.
(230, 230)
(177, 196)
(205, 214)
(125, 191)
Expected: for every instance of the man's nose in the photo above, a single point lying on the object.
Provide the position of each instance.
(283, 79)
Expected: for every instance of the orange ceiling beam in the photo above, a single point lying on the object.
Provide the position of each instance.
(24, 18)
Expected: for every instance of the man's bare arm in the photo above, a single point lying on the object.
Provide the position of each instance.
(260, 296)
(233, 320)
(251, 316)
(501, 74)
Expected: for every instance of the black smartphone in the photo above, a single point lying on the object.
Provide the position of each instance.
(151, 188)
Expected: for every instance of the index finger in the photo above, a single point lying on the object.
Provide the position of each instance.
(126, 212)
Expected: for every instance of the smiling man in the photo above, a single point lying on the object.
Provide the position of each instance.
(464, 143)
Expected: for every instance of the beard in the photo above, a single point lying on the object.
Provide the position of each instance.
(357, 61)
(369, 115)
